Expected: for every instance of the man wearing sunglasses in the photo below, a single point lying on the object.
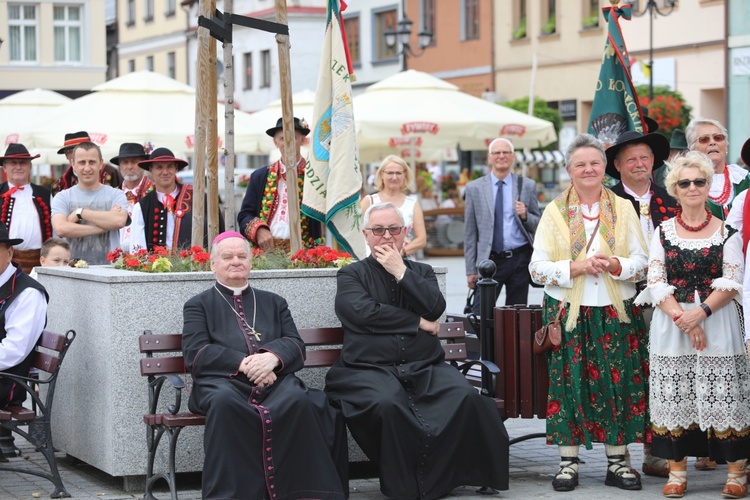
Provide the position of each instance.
(501, 216)
(710, 138)
(631, 159)
(407, 409)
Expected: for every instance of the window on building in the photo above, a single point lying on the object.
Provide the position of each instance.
(265, 68)
(131, 65)
(22, 31)
(67, 26)
(549, 20)
(519, 19)
(351, 24)
(469, 19)
(149, 10)
(171, 8)
(247, 63)
(591, 14)
(150, 63)
(131, 13)
(171, 65)
(384, 20)
(427, 17)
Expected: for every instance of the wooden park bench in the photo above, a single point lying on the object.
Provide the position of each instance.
(34, 424)
(163, 363)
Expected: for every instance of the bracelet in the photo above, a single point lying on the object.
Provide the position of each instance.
(706, 309)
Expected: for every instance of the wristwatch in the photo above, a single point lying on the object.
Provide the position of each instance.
(79, 214)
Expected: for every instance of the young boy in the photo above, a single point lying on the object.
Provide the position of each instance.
(55, 252)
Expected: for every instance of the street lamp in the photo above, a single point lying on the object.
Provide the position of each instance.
(403, 35)
(653, 10)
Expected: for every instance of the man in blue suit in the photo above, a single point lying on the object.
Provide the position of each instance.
(502, 213)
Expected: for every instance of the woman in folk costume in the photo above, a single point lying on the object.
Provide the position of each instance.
(711, 138)
(588, 253)
(700, 375)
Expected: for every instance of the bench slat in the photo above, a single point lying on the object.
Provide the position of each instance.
(183, 419)
(45, 362)
(21, 413)
(454, 330)
(322, 336)
(321, 357)
(455, 351)
(163, 365)
(160, 343)
(52, 341)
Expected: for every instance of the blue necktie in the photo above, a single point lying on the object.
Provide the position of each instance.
(497, 240)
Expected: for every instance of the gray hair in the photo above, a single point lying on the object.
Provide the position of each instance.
(692, 136)
(584, 141)
(381, 206)
(215, 249)
(690, 159)
(501, 139)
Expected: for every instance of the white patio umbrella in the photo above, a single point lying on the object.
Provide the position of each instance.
(266, 118)
(139, 107)
(20, 111)
(416, 112)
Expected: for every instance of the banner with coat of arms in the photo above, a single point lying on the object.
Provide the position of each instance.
(333, 179)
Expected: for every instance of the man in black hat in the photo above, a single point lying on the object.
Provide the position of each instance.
(108, 175)
(164, 217)
(264, 215)
(90, 214)
(631, 160)
(25, 209)
(135, 184)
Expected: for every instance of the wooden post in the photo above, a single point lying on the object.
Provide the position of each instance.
(229, 208)
(287, 113)
(203, 102)
(212, 138)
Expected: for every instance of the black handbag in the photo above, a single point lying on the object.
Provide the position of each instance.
(519, 184)
(470, 300)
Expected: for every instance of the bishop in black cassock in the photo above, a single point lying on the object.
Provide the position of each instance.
(267, 435)
(412, 414)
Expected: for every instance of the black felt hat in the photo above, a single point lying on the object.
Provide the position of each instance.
(298, 125)
(17, 151)
(657, 142)
(5, 237)
(678, 140)
(72, 140)
(160, 155)
(129, 150)
(745, 153)
(651, 125)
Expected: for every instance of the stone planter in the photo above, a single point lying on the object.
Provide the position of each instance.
(101, 396)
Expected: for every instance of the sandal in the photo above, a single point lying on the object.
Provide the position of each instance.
(677, 484)
(736, 486)
(704, 463)
(620, 475)
(566, 478)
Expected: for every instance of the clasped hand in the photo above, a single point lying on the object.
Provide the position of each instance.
(688, 322)
(599, 263)
(259, 368)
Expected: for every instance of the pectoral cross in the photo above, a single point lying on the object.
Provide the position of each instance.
(254, 333)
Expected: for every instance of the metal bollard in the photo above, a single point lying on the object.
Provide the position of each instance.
(486, 330)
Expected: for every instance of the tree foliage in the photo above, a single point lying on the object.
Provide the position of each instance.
(541, 110)
(668, 108)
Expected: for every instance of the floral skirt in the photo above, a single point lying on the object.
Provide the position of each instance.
(598, 378)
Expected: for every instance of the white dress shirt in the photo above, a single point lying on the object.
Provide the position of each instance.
(24, 222)
(138, 225)
(24, 322)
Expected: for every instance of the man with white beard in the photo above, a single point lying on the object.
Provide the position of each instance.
(135, 184)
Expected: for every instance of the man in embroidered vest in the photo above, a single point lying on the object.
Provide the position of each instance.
(242, 348)
(24, 315)
(135, 184)
(264, 215)
(164, 217)
(502, 213)
(89, 215)
(631, 159)
(108, 175)
(25, 207)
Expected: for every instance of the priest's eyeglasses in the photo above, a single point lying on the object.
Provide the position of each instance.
(685, 183)
(705, 139)
(380, 231)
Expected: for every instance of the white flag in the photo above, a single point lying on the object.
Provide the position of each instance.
(333, 179)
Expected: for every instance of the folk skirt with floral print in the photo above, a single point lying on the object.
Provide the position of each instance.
(598, 378)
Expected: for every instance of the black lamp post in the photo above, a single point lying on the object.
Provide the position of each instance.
(402, 36)
(653, 10)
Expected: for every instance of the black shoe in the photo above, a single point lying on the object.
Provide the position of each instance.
(617, 477)
(566, 478)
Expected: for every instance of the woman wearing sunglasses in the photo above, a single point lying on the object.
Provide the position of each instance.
(589, 252)
(710, 138)
(699, 400)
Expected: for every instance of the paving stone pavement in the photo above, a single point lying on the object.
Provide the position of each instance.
(532, 464)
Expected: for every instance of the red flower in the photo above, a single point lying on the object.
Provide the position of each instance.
(141, 252)
(553, 408)
(114, 255)
(593, 371)
(133, 263)
(201, 257)
(611, 311)
(160, 251)
(195, 249)
(152, 258)
(184, 254)
(615, 375)
(633, 342)
(599, 434)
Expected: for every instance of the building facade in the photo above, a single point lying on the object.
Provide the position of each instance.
(52, 44)
(738, 121)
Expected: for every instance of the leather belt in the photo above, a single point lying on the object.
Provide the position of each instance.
(507, 254)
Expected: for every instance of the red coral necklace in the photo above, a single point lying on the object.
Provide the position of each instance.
(697, 228)
(723, 198)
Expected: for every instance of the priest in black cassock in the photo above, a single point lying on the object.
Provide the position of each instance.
(412, 414)
(267, 435)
